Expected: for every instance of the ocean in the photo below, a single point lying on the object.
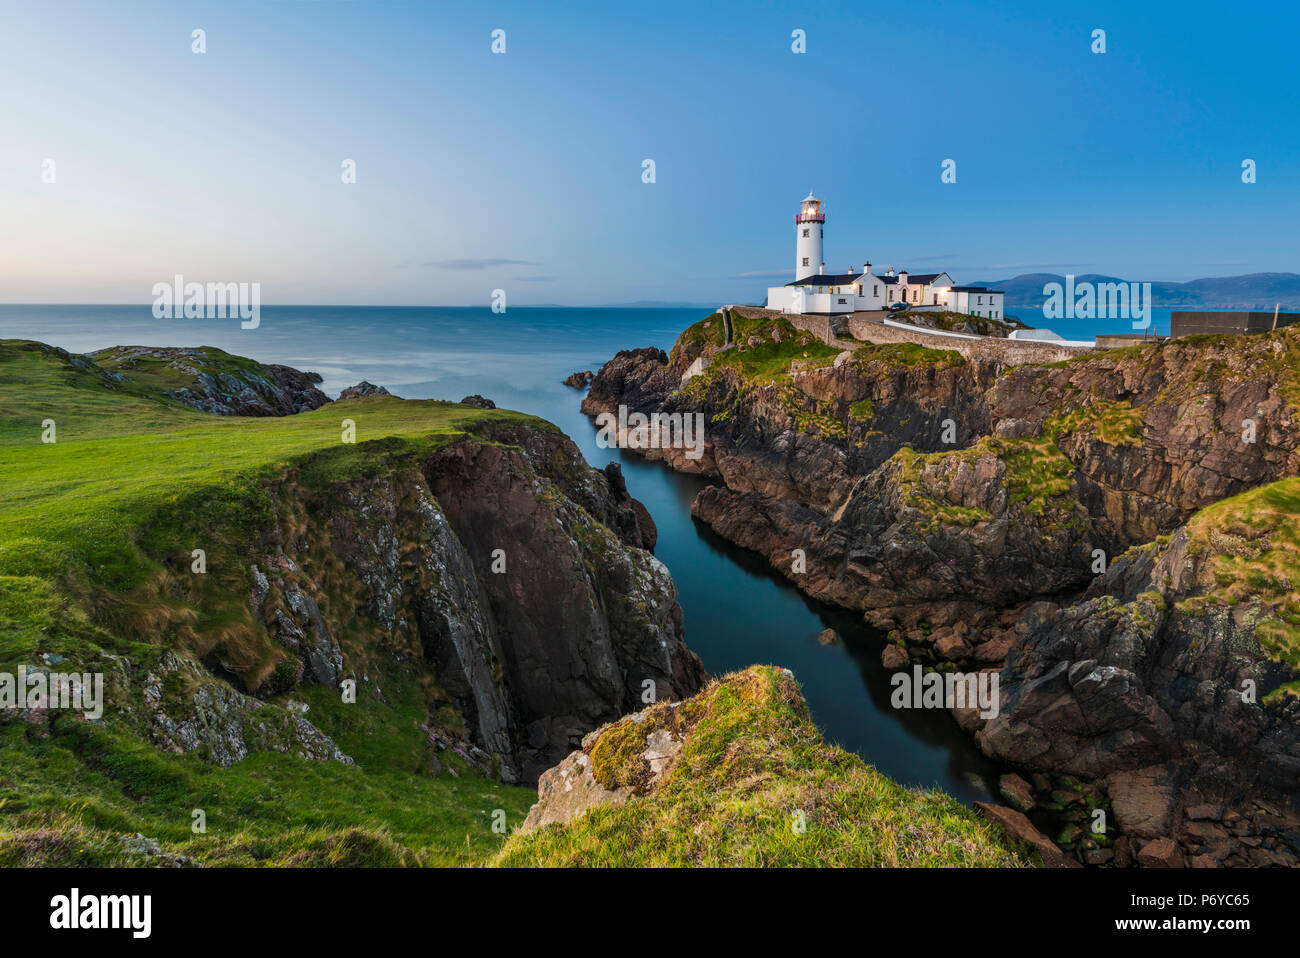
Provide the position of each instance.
(738, 612)
(1085, 329)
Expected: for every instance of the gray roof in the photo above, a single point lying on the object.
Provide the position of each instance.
(828, 279)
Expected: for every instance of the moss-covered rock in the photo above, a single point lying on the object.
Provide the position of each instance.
(739, 775)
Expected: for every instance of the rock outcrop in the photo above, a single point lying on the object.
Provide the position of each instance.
(215, 382)
(363, 389)
(998, 485)
(1035, 519)
(738, 775)
(499, 565)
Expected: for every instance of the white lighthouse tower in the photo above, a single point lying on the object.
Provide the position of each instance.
(809, 227)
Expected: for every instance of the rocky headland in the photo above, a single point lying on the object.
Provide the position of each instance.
(1114, 535)
(458, 593)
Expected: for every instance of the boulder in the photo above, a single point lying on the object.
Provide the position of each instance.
(894, 657)
(1016, 791)
(950, 645)
(1142, 800)
(1022, 829)
(569, 790)
(1160, 853)
(1212, 813)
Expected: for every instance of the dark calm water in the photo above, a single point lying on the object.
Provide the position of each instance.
(737, 611)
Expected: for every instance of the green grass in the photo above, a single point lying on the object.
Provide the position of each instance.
(709, 331)
(765, 347)
(872, 358)
(120, 459)
(66, 797)
(155, 375)
(752, 765)
(1038, 476)
(950, 321)
(1253, 541)
(1116, 423)
(863, 409)
(95, 537)
(1038, 473)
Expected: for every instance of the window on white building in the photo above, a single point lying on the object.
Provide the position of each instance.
(805, 260)
(875, 290)
(805, 232)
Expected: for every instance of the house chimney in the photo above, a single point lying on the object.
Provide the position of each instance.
(890, 271)
(821, 270)
(850, 270)
(866, 267)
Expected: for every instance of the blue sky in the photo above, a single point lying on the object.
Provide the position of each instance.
(522, 171)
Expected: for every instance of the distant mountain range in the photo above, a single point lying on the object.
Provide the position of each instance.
(1252, 291)
(638, 304)
(658, 304)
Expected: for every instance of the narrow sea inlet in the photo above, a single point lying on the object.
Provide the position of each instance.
(737, 611)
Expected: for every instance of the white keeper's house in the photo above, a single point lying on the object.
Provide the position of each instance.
(816, 291)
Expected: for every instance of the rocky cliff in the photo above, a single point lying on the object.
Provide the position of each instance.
(498, 568)
(456, 592)
(985, 515)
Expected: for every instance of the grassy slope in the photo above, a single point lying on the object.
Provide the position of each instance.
(751, 767)
(763, 347)
(1254, 542)
(85, 518)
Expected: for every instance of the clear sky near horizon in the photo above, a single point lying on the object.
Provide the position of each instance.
(523, 170)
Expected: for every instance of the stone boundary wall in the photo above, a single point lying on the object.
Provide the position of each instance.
(865, 327)
(1009, 351)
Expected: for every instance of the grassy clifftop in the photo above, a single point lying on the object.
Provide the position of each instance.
(92, 526)
(750, 782)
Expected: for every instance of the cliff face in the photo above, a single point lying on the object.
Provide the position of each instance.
(483, 572)
(985, 486)
(946, 499)
(490, 567)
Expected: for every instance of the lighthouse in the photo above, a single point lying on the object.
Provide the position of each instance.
(809, 227)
